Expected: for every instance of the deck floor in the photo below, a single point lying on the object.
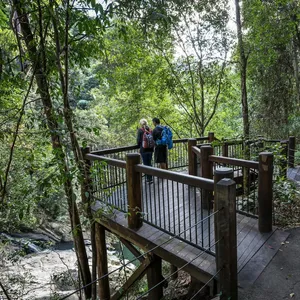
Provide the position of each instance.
(170, 210)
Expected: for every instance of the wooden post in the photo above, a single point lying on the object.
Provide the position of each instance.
(265, 191)
(292, 149)
(206, 172)
(226, 247)
(211, 137)
(154, 276)
(192, 157)
(219, 174)
(225, 149)
(283, 160)
(134, 193)
(173, 270)
(103, 292)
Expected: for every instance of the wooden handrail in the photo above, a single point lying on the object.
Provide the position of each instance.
(236, 142)
(133, 147)
(234, 161)
(110, 161)
(203, 183)
(115, 150)
(204, 138)
(196, 150)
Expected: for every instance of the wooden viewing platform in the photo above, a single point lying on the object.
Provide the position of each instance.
(201, 224)
(250, 242)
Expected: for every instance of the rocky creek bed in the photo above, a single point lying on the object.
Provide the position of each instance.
(43, 265)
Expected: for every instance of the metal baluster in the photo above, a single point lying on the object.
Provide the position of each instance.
(169, 211)
(163, 200)
(173, 198)
(178, 206)
(159, 202)
(196, 219)
(154, 202)
(202, 233)
(183, 199)
(190, 216)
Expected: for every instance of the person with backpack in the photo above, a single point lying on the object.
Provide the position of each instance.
(162, 136)
(146, 143)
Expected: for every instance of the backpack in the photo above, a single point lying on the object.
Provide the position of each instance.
(166, 137)
(147, 141)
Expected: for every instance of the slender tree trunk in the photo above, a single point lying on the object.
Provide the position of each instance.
(243, 70)
(83, 166)
(36, 58)
(296, 72)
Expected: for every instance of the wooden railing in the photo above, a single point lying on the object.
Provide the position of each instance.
(177, 201)
(254, 181)
(284, 150)
(177, 157)
(118, 180)
(173, 203)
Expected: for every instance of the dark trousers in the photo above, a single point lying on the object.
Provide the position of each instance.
(147, 161)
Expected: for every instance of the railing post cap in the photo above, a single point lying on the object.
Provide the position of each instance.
(266, 154)
(226, 182)
(223, 170)
(206, 146)
(133, 155)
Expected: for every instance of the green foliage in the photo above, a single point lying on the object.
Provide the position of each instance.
(272, 45)
(284, 191)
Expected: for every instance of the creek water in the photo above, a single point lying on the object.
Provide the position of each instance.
(124, 252)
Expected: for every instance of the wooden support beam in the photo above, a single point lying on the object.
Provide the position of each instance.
(138, 274)
(134, 184)
(226, 245)
(132, 249)
(154, 276)
(103, 291)
(192, 157)
(173, 270)
(265, 191)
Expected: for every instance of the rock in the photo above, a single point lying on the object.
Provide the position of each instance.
(66, 281)
(51, 274)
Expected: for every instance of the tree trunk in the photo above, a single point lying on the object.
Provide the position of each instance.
(296, 72)
(243, 70)
(39, 63)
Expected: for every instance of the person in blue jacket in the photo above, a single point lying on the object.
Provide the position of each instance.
(160, 151)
